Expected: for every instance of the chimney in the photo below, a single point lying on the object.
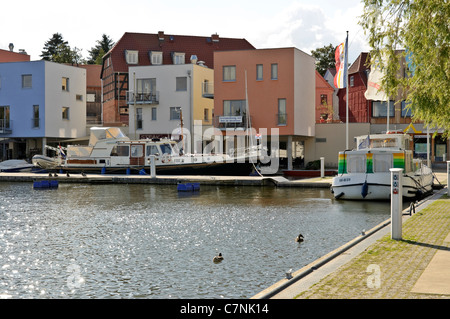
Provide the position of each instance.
(215, 37)
(194, 59)
(161, 35)
(11, 47)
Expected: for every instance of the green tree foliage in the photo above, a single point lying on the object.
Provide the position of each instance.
(324, 58)
(100, 49)
(56, 49)
(422, 29)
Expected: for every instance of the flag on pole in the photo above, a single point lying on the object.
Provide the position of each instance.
(341, 58)
(374, 90)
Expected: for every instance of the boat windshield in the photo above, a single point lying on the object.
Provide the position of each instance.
(166, 149)
(102, 133)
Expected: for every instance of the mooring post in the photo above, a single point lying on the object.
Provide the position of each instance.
(396, 203)
(152, 166)
(322, 167)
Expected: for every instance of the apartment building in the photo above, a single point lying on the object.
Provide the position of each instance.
(144, 49)
(279, 85)
(165, 100)
(41, 102)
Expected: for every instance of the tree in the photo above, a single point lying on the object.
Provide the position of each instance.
(324, 58)
(100, 49)
(58, 50)
(53, 46)
(421, 28)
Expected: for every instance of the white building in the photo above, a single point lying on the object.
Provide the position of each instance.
(160, 94)
(41, 103)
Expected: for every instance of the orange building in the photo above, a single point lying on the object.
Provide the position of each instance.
(10, 56)
(324, 100)
(281, 95)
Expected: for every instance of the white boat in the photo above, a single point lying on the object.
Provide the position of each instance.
(110, 150)
(363, 174)
(15, 166)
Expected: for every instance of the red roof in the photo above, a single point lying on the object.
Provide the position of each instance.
(202, 47)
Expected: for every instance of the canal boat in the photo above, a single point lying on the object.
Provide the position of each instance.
(363, 174)
(111, 151)
(13, 166)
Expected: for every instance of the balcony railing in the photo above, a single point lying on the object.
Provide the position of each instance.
(208, 90)
(5, 126)
(143, 98)
(224, 122)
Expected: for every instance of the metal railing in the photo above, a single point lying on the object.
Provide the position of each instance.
(143, 98)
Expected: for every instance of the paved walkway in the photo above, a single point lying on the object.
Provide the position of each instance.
(416, 267)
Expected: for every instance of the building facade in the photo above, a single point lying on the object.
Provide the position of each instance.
(279, 85)
(142, 49)
(41, 103)
(324, 100)
(163, 99)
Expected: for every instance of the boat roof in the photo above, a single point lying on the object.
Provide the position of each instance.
(106, 133)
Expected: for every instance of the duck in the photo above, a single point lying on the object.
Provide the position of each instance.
(218, 259)
(299, 238)
(83, 174)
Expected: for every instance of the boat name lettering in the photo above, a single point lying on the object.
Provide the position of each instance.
(346, 179)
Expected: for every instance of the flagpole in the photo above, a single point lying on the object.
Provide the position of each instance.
(346, 85)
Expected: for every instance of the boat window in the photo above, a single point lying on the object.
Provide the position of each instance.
(137, 150)
(382, 162)
(152, 150)
(166, 149)
(120, 150)
(356, 163)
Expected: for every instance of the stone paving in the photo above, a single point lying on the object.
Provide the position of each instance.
(389, 269)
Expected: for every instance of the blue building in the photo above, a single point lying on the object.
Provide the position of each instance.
(41, 103)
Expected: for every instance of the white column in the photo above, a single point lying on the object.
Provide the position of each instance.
(322, 167)
(396, 203)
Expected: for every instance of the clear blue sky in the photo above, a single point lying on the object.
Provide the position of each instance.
(304, 24)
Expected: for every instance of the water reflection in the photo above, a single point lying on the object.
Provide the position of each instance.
(143, 241)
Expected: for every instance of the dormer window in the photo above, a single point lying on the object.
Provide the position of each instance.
(131, 56)
(156, 57)
(178, 58)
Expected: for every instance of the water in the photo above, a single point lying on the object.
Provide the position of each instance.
(148, 241)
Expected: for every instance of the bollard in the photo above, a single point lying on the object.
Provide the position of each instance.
(448, 178)
(322, 167)
(396, 203)
(152, 166)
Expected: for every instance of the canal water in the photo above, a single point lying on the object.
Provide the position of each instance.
(149, 241)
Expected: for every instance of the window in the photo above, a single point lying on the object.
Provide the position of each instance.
(352, 80)
(146, 85)
(65, 113)
(152, 150)
(234, 107)
(181, 84)
(26, 81)
(379, 109)
(406, 111)
(259, 72)
(120, 150)
(90, 97)
(282, 120)
(137, 150)
(65, 84)
(178, 58)
(356, 163)
(175, 113)
(229, 73)
(274, 71)
(139, 118)
(206, 114)
(323, 99)
(382, 163)
(4, 117)
(132, 56)
(35, 120)
(79, 97)
(156, 57)
(153, 113)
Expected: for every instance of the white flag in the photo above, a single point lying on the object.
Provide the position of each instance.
(374, 90)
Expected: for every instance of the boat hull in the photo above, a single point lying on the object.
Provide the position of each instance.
(378, 186)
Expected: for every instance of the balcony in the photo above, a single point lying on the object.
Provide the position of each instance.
(208, 90)
(234, 122)
(142, 98)
(5, 126)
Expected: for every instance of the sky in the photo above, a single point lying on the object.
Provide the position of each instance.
(304, 24)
